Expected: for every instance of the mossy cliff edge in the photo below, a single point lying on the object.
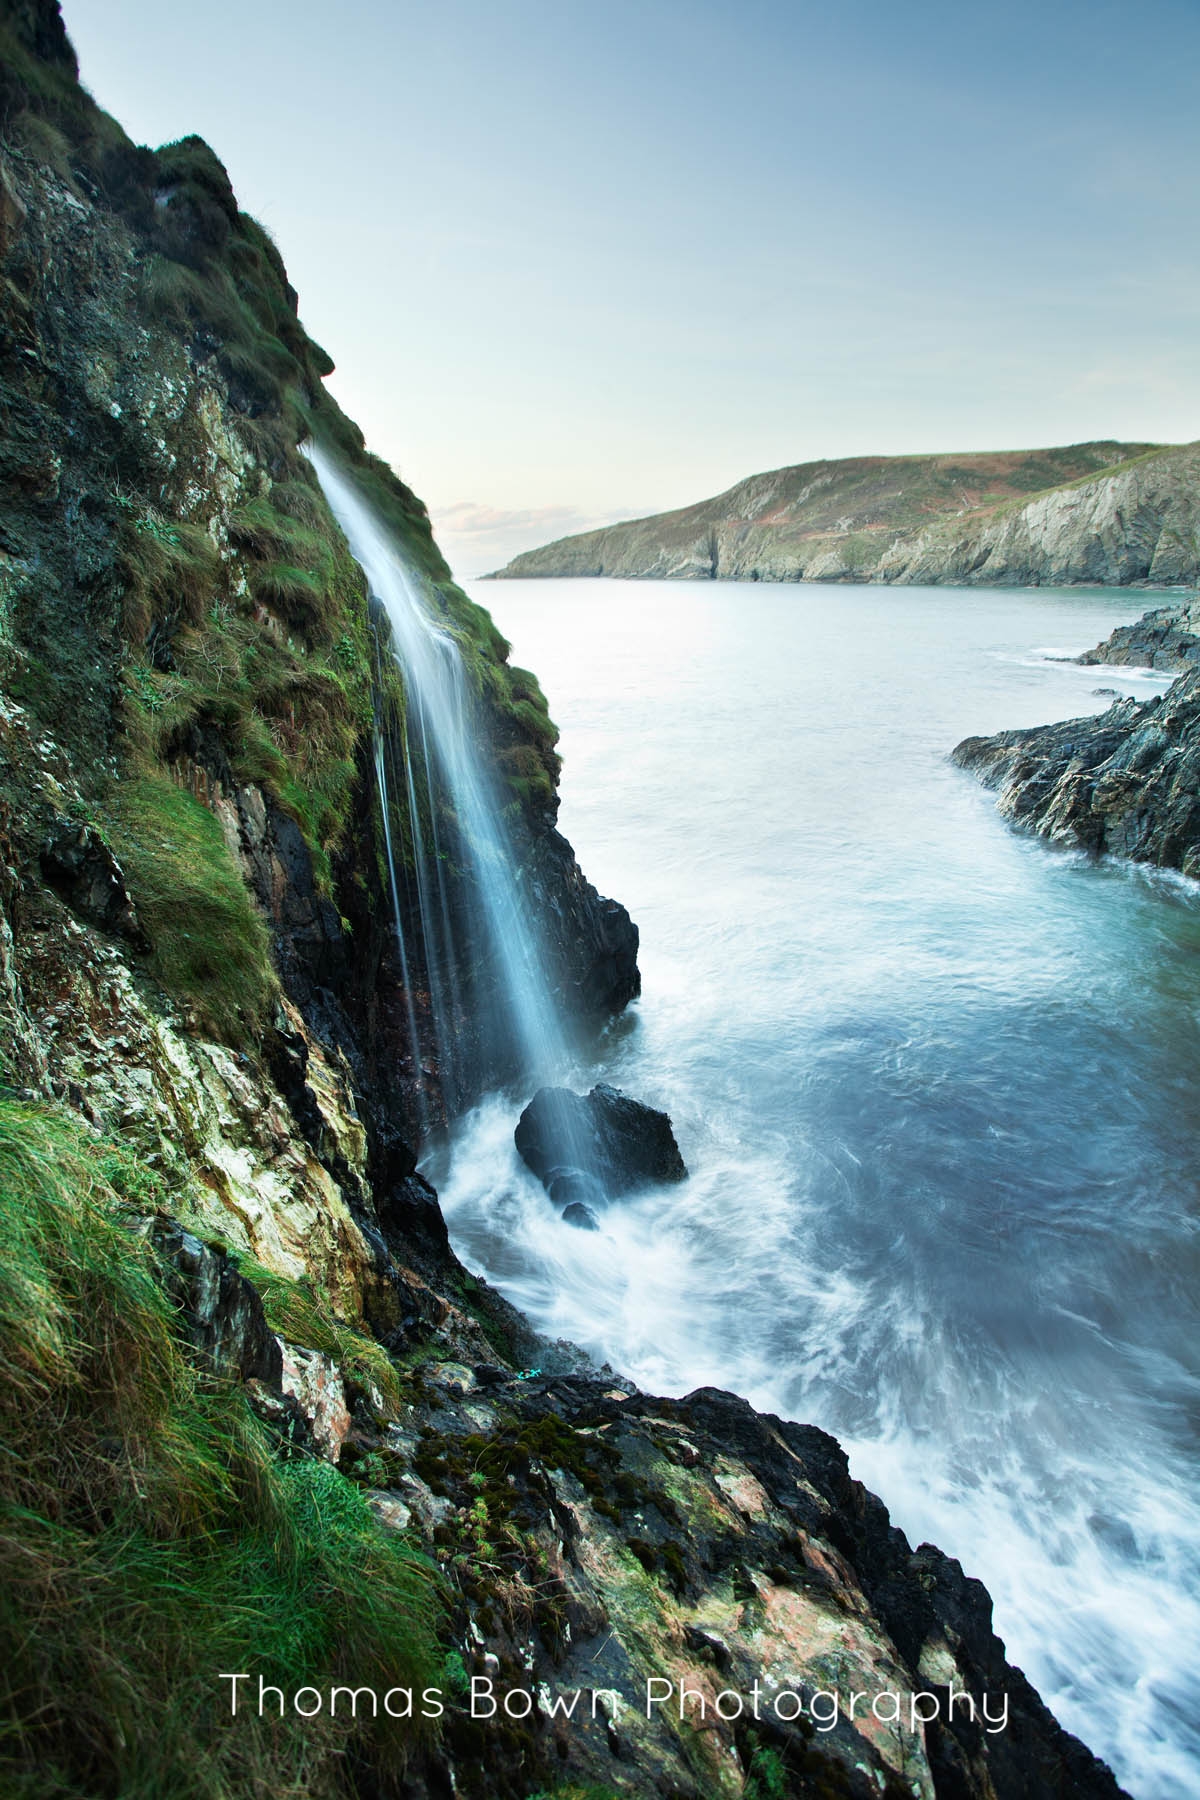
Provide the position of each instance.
(257, 1418)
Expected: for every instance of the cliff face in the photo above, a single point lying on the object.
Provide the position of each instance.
(257, 1416)
(180, 616)
(1105, 513)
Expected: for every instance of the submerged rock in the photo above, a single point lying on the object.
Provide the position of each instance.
(582, 1217)
(598, 1145)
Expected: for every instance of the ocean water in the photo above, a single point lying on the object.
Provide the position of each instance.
(937, 1084)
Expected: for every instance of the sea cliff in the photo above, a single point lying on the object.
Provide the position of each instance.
(1105, 513)
(258, 1419)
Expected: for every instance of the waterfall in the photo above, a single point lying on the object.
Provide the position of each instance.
(477, 945)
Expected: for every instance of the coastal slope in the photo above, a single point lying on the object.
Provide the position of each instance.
(1106, 513)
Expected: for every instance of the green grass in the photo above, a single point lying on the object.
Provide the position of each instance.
(297, 1311)
(149, 1540)
(171, 571)
(211, 949)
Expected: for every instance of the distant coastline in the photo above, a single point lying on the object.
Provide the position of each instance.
(1100, 514)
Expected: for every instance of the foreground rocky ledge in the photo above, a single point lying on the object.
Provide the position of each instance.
(656, 1596)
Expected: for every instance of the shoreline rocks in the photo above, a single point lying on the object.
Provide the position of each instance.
(1167, 637)
(1125, 782)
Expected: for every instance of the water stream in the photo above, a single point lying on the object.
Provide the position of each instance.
(482, 935)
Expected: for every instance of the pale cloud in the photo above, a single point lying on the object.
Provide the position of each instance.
(476, 538)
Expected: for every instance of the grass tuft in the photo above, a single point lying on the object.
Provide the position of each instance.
(297, 1311)
(149, 1540)
(211, 948)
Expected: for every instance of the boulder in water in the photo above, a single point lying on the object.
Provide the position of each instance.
(571, 1186)
(602, 1141)
(582, 1217)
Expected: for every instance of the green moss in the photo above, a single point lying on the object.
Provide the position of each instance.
(767, 1777)
(574, 1790)
(210, 947)
(149, 1540)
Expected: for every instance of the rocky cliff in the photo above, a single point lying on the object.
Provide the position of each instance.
(1104, 513)
(259, 1423)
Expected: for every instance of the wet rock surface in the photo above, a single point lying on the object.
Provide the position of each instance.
(586, 1149)
(1168, 637)
(81, 868)
(220, 1311)
(1126, 783)
(592, 943)
(599, 1539)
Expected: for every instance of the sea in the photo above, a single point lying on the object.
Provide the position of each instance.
(937, 1083)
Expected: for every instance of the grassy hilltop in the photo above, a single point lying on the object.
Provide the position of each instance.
(1105, 511)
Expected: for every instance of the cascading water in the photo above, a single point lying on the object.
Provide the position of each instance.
(480, 939)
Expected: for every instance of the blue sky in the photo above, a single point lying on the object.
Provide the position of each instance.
(582, 262)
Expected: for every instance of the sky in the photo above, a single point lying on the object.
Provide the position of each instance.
(578, 263)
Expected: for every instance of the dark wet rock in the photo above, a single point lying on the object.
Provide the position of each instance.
(283, 1416)
(581, 1216)
(220, 1312)
(568, 1187)
(488, 1375)
(78, 864)
(618, 1142)
(591, 942)
(1126, 782)
(408, 1212)
(730, 1541)
(1167, 638)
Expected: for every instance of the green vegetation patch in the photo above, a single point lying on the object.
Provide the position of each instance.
(299, 1312)
(149, 1540)
(170, 569)
(211, 948)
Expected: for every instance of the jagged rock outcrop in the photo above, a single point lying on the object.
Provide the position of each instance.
(1166, 638)
(1105, 513)
(220, 1311)
(641, 1545)
(1126, 782)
